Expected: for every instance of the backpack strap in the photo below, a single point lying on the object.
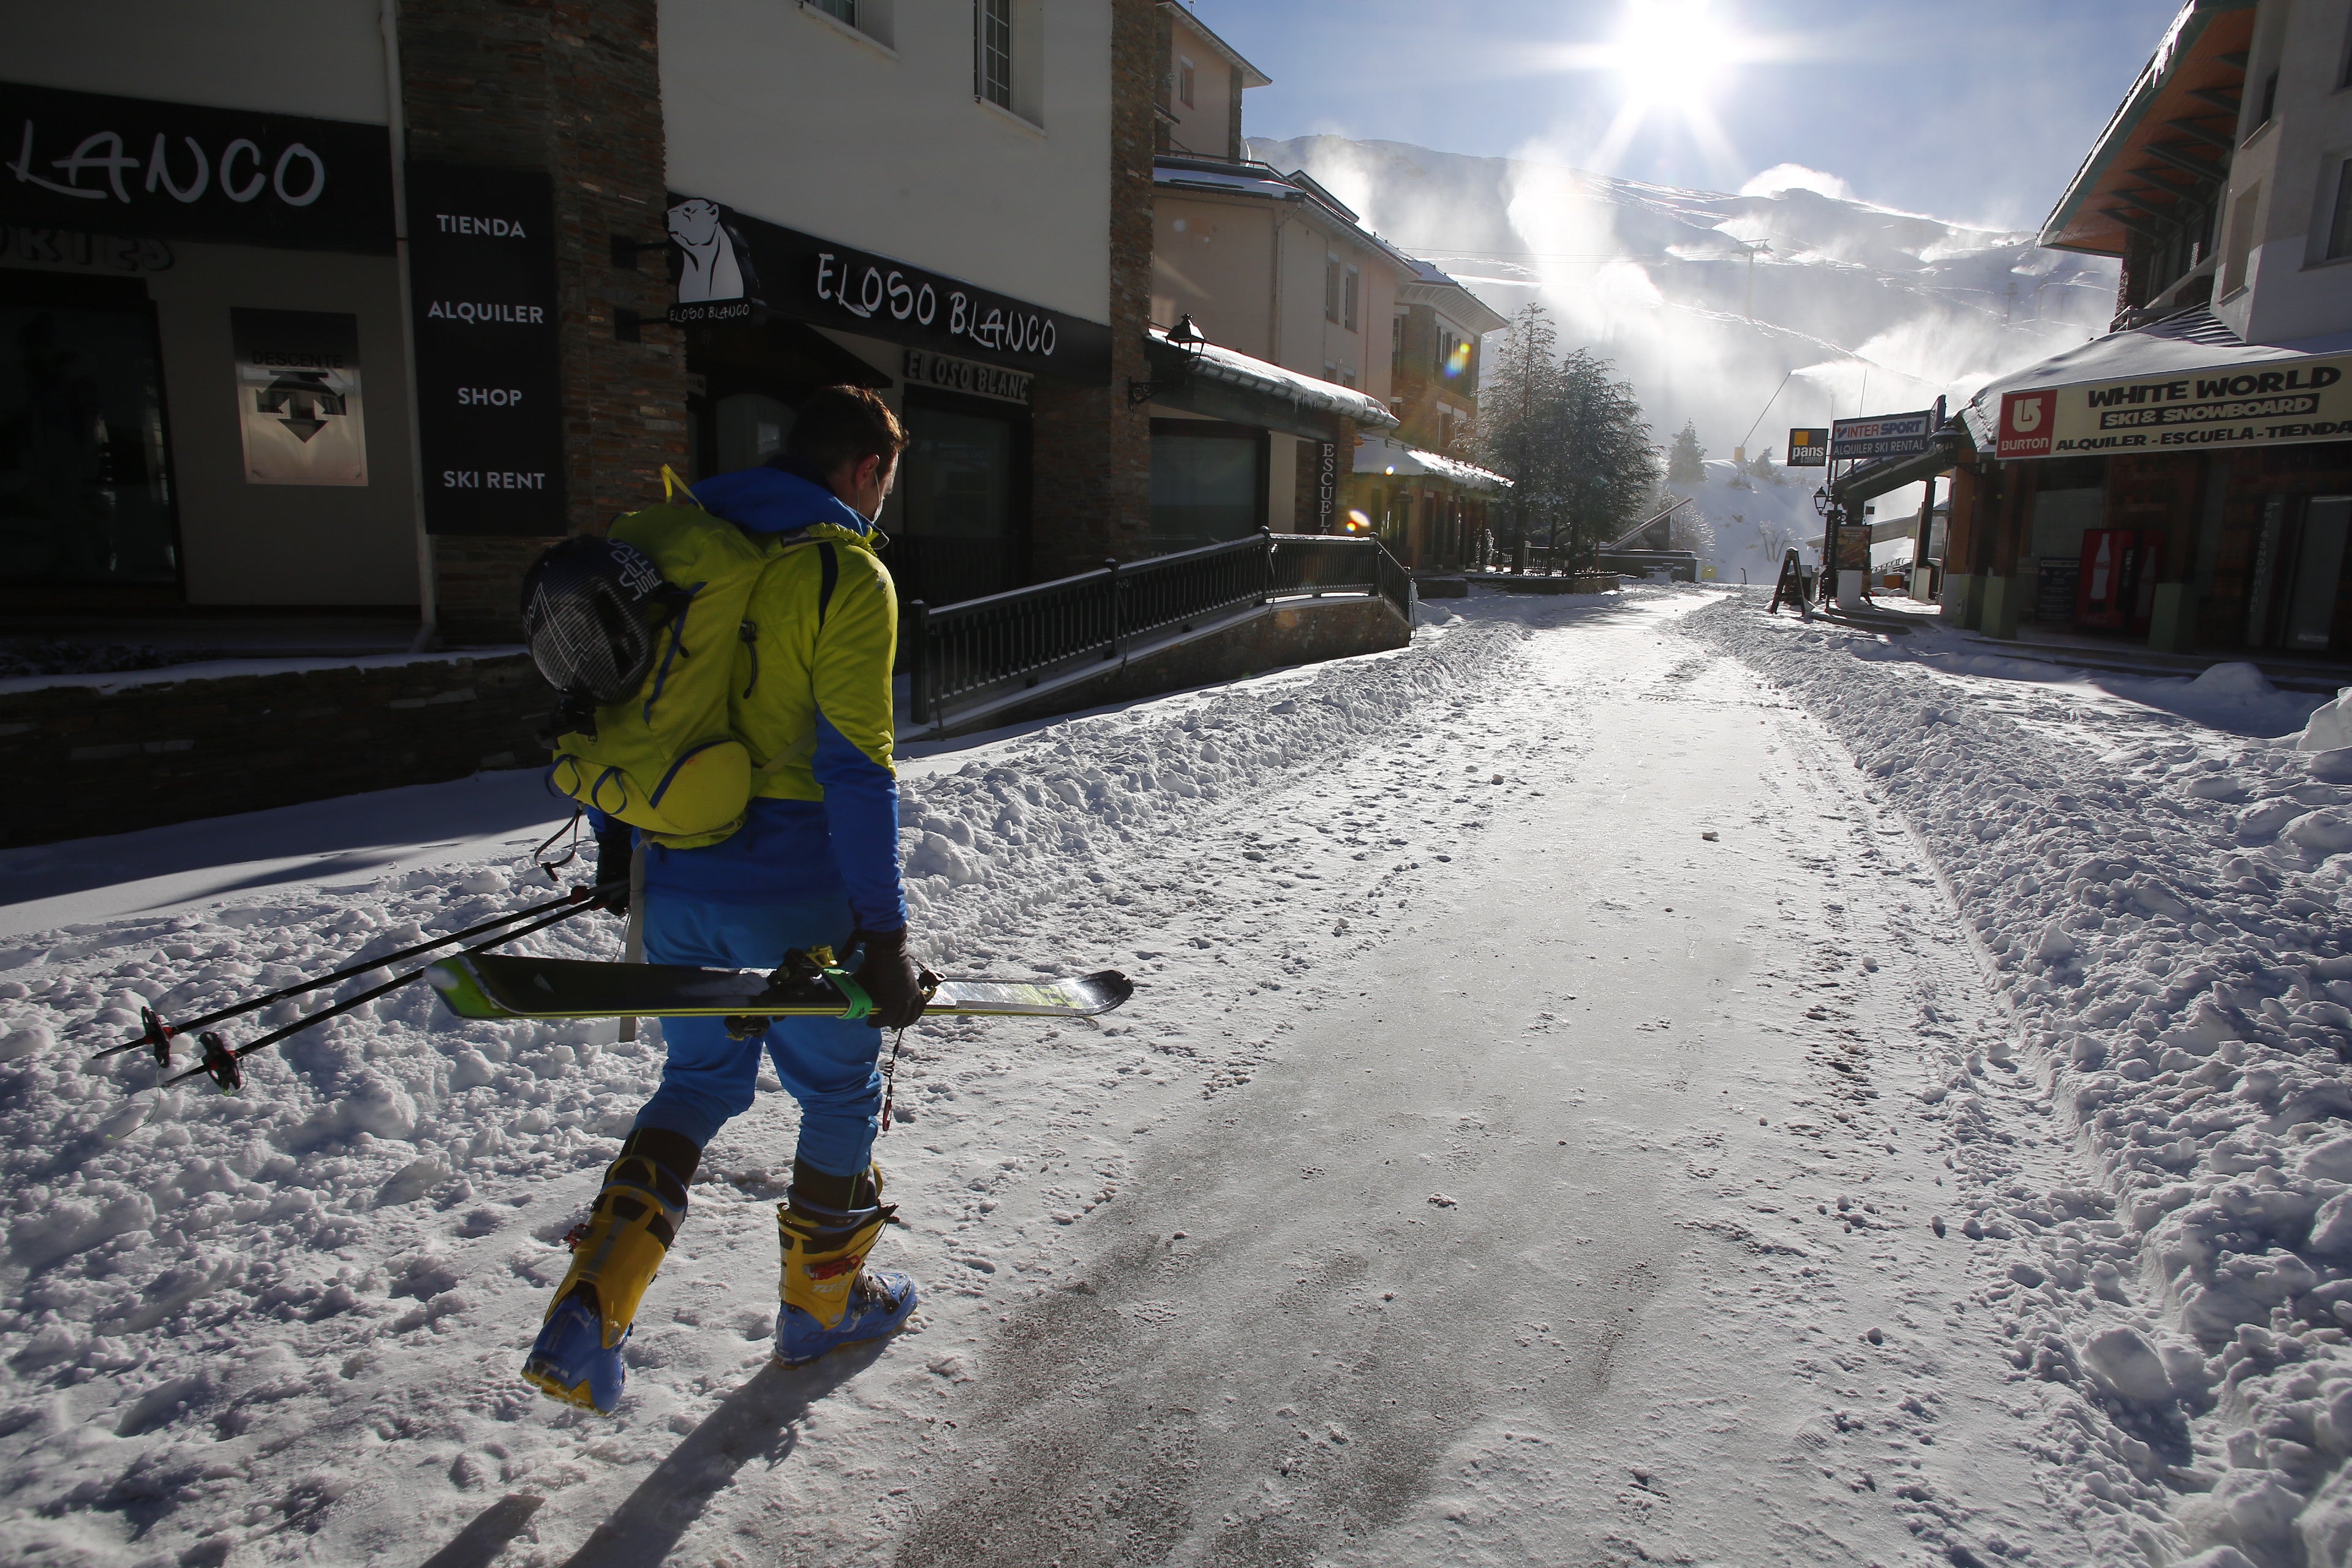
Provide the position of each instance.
(828, 578)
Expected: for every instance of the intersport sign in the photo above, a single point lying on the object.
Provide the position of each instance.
(2266, 404)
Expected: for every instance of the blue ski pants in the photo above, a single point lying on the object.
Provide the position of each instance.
(828, 1065)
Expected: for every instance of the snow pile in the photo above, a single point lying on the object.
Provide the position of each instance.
(2328, 729)
(2163, 909)
(208, 1304)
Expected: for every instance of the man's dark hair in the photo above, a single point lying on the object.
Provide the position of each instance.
(842, 425)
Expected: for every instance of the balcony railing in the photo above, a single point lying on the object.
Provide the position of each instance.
(964, 653)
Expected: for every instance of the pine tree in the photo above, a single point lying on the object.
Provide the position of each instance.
(1683, 465)
(1569, 437)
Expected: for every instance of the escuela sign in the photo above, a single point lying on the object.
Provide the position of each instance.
(2265, 404)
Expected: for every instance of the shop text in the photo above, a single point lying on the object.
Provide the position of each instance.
(493, 227)
(468, 311)
(875, 290)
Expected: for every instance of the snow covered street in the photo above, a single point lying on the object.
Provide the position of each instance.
(1606, 1085)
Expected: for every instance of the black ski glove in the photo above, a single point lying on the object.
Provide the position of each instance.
(615, 847)
(899, 987)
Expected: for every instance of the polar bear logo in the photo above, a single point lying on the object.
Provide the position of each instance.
(712, 271)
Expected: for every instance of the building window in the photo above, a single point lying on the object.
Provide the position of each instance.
(1348, 304)
(871, 18)
(2339, 226)
(995, 52)
(2241, 249)
(1185, 81)
(2270, 100)
(1396, 346)
(1331, 287)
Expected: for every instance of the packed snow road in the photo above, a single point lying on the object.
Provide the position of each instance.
(1552, 1128)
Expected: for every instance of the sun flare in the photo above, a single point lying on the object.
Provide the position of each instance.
(1669, 48)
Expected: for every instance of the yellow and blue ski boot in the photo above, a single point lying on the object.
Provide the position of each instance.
(831, 1298)
(577, 1358)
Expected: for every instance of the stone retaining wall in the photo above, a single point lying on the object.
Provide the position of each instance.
(89, 759)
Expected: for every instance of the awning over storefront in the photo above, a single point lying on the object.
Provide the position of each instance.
(1379, 455)
(2184, 385)
(1220, 383)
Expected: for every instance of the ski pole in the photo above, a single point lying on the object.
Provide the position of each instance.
(221, 1064)
(157, 1036)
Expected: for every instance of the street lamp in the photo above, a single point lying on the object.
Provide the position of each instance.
(1187, 342)
(1821, 501)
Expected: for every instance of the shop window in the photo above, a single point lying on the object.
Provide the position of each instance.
(1208, 483)
(1351, 293)
(751, 428)
(85, 476)
(961, 495)
(2295, 572)
(2319, 568)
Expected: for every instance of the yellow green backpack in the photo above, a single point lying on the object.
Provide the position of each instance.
(644, 632)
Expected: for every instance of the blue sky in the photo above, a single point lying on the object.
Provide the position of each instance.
(1976, 112)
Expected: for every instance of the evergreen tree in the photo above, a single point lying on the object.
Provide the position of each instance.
(1520, 387)
(1683, 464)
(1569, 437)
(1610, 465)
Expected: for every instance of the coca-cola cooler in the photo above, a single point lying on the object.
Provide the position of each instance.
(2116, 590)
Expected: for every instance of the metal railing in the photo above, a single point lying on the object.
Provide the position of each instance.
(1016, 640)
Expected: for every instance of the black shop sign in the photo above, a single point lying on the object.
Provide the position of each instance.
(728, 267)
(86, 162)
(481, 265)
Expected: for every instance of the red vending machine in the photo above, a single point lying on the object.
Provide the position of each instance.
(2116, 590)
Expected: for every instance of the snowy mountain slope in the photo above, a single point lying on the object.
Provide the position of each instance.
(1742, 516)
(2162, 907)
(1852, 305)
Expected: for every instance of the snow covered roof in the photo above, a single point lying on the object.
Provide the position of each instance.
(2180, 345)
(1439, 290)
(1379, 454)
(2198, 66)
(1251, 179)
(1251, 75)
(1230, 367)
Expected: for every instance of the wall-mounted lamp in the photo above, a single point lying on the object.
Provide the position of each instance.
(1187, 342)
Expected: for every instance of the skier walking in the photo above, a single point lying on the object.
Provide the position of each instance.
(816, 857)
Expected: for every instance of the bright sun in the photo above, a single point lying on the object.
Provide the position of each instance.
(1669, 49)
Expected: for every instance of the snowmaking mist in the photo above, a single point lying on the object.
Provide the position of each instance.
(1854, 308)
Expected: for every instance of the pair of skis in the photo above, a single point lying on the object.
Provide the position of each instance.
(477, 983)
(504, 986)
